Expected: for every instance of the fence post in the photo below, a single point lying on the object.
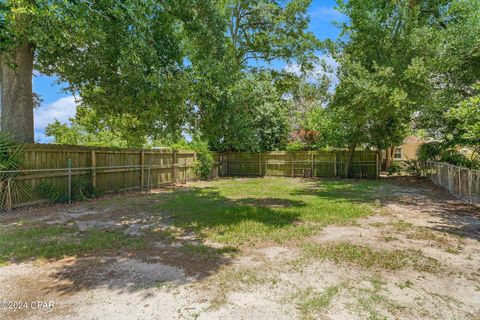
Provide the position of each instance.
(292, 165)
(69, 166)
(259, 164)
(148, 180)
(8, 196)
(312, 159)
(335, 164)
(174, 166)
(439, 182)
(226, 166)
(142, 173)
(449, 178)
(93, 164)
(469, 184)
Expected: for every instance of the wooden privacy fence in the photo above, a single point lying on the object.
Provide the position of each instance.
(58, 173)
(112, 169)
(301, 164)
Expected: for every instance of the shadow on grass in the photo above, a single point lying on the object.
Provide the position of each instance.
(207, 208)
(347, 190)
(112, 259)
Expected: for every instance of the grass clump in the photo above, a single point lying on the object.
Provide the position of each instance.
(54, 242)
(369, 258)
(311, 302)
(372, 302)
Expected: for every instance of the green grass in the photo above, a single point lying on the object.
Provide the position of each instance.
(237, 211)
(311, 302)
(228, 211)
(53, 242)
(369, 258)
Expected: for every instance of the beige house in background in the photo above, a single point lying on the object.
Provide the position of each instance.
(408, 150)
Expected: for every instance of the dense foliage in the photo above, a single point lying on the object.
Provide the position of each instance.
(149, 72)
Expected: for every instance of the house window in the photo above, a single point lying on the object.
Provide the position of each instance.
(398, 153)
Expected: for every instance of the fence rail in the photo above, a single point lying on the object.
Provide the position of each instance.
(461, 182)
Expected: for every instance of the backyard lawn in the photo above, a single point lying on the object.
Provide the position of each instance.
(267, 248)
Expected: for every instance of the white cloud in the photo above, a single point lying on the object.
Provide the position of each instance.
(62, 110)
(327, 14)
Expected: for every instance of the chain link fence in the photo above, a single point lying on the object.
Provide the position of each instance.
(462, 182)
(37, 188)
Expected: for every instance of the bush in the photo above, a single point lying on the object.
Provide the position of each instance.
(202, 167)
(51, 191)
(82, 189)
(295, 146)
(436, 151)
(431, 151)
(416, 167)
(395, 168)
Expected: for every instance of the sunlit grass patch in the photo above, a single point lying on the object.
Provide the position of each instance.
(53, 242)
(239, 211)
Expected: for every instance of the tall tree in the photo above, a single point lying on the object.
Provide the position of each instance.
(258, 32)
(265, 30)
(383, 75)
(123, 56)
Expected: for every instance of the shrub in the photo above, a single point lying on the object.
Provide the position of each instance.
(416, 167)
(202, 167)
(82, 189)
(51, 191)
(295, 146)
(431, 151)
(395, 168)
(436, 151)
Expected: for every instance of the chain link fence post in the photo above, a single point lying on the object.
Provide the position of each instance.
(69, 166)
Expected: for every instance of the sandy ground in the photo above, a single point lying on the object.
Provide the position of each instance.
(269, 281)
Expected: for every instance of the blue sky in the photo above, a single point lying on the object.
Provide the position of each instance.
(60, 105)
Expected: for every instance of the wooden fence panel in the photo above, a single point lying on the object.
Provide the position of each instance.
(314, 163)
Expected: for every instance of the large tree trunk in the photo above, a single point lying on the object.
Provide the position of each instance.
(16, 95)
(348, 164)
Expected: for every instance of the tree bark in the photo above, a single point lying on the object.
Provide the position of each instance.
(348, 164)
(16, 95)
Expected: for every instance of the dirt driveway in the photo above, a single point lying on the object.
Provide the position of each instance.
(416, 256)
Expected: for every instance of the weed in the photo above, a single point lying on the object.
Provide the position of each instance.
(406, 284)
(311, 302)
